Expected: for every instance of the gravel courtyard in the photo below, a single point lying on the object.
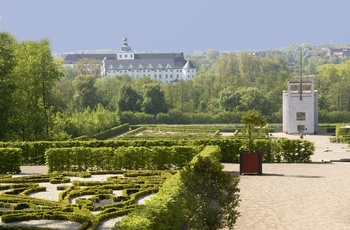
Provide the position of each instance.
(298, 196)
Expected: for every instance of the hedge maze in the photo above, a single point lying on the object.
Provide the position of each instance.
(114, 197)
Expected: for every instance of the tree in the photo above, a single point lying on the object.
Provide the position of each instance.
(229, 100)
(227, 70)
(153, 99)
(252, 99)
(254, 122)
(62, 94)
(35, 74)
(7, 85)
(108, 89)
(85, 92)
(88, 66)
(212, 54)
(129, 99)
(249, 66)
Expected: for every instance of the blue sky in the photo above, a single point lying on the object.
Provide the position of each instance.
(176, 26)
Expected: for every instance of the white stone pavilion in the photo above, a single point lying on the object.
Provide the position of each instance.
(300, 108)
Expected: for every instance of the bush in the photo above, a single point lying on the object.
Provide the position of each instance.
(11, 160)
(292, 151)
(107, 158)
(176, 205)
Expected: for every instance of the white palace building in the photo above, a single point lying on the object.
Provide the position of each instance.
(165, 67)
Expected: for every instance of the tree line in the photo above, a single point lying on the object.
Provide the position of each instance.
(42, 100)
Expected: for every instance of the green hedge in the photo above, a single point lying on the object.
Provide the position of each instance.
(115, 131)
(106, 158)
(292, 151)
(11, 160)
(169, 208)
(34, 152)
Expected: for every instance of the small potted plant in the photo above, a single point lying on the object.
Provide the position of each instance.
(250, 159)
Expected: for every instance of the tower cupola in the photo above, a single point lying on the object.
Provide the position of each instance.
(125, 52)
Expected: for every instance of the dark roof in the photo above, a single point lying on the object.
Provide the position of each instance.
(73, 58)
(189, 65)
(175, 60)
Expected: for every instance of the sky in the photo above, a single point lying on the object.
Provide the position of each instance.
(176, 26)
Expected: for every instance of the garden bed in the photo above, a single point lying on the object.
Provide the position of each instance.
(76, 203)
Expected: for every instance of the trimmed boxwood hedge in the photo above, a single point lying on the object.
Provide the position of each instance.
(11, 160)
(115, 131)
(106, 158)
(34, 152)
(21, 207)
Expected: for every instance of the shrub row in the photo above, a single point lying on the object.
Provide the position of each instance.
(48, 215)
(34, 152)
(11, 160)
(115, 131)
(106, 158)
(169, 208)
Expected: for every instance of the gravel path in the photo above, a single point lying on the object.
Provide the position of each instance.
(298, 196)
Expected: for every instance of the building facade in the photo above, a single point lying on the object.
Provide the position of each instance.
(165, 67)
(300, 108)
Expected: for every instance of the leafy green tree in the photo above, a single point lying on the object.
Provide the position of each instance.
(62, 94)
(88, 66)
(7, 86)
(228, 65)
(249, 66)
(71, 72)
(226, 72)
(252, 99)
(153, 99)
(108, 89)
(212, 54)
(129, 99)
(85, 92)
(35, 74)
(89, 121)
(185, 97)
(229, 100)
(203, 83)
(254, 122)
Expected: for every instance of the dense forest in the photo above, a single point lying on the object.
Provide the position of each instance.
(42, 100)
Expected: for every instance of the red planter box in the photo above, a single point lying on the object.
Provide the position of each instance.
(250, 162)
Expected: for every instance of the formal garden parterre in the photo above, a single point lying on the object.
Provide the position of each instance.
(167, 166)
